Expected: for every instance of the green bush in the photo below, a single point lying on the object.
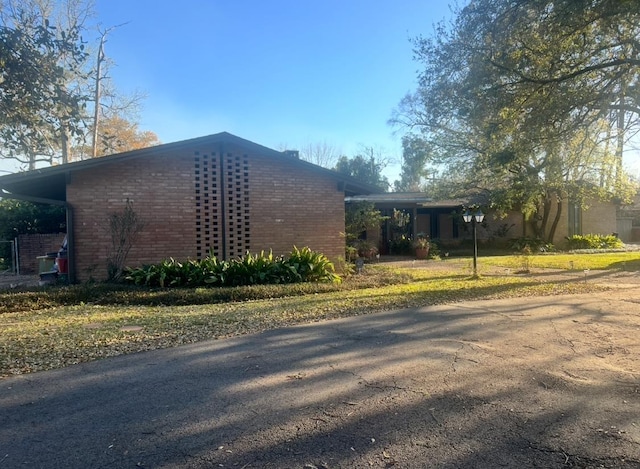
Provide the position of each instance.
(434, 249)
(594, 241)
(402, 246)
(531, 244)
(310, 266)
(302, 265)
(39, 298)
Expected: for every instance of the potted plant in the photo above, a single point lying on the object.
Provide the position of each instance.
(421, 246)
(366, 249)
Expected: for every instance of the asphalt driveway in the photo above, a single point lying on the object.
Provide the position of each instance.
(535, 382)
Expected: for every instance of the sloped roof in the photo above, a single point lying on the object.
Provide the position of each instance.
(398, 199)
(50, 183)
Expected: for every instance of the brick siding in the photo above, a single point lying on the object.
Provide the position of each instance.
(188, 198)
(161, 191)
(31, 246)
(294, 207)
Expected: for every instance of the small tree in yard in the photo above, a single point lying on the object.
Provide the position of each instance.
(124, 228)
(360, 217)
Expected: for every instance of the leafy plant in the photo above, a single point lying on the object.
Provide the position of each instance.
(303, 265)
(422, 241)
(531, 244)
(365, 249)
(311, 266)
(401, 246)
(434, 249)
(594, 241)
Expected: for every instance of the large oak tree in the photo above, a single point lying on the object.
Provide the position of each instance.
(532, 99)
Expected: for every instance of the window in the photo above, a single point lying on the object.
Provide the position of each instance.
(575, 219)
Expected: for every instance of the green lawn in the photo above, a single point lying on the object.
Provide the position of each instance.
(45, 329)
(597, 261)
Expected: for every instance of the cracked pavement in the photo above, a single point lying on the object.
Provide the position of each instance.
(536, 382)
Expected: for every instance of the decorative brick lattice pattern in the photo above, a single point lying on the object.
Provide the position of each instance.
(221, 205)
(207, 200)
(236, 168)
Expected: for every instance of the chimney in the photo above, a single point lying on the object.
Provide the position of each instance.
(293, 154)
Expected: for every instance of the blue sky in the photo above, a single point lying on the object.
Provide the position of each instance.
(282, 73)
(277, 72)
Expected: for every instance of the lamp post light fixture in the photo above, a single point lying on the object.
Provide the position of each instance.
(474, 219)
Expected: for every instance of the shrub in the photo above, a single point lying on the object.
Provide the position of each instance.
(401, 246)
(311, 266)
(434, 249)
(302, 265)
(350, 253)
(531, 244)
(594, 241)
(365, 248)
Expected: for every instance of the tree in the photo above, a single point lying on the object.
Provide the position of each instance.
(414, 168)
(123, 228)
(321, 153)
(532, 100)
(37, 107)
(117, 135)
(365, 168)
(58, 95)
(19, 217)
(359, 217)
(113, 110)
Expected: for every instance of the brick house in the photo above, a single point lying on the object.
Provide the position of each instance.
(441, 219)
(219, 193)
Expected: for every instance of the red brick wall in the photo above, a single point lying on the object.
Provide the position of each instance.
(30, 246)
(161, 190)
(290, 207)
(268, 204)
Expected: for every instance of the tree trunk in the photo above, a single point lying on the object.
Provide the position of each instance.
(96, 111)
(66, 145)
(556, 220)
(546, 209)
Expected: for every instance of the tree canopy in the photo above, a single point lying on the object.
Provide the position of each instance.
(533, 100)
(365, 168)
(36, 104)
(414, 169)
(117, 135)
(18, 217)
(53, 95)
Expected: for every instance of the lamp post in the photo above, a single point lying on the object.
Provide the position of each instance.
(474, 219)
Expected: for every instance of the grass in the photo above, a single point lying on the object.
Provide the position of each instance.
(46, 329)
(570, 261)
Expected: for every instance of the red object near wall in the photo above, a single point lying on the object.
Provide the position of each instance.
(63, 265)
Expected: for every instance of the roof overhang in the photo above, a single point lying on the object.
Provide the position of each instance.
(50, 187)
(406, 200)
(49, 184)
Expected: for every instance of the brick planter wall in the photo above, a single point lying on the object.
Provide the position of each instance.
(30, 246)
